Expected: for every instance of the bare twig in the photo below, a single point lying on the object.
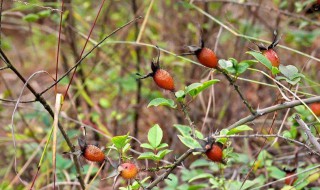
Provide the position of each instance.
(268, 136)
(236, 87)
(88, 53)
(261, 112)
(5, 67)
(1, 23)
(143, 26)
(12, 125)
(58, 47)
(57, 107)
(307, 130)
(93, 25)
(44, 103)
(138, 82)
(175, 164)
(268, 9)
(14, 101)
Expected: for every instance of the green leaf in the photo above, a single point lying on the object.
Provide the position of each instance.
(155, 136)
(200, 163)
(275, 172)
(201, 176)
(291, 74)
(31, 17)
(173, 182)
(275, 70)
(287, 134)
(293, 132)
(162, 102)
(239, 129)
(243, 66)
(186, 131)
(148, 155)
(195, 88)
(288, 71)
(251, 183)
(228, 65)
(162, 145)
(292, 82)
(44, 13)
(183, 129)
(104, 103)
(192, 86)
(120, 141)
(147, 146)
(261, 58)
(126, 147)
(223, 132)
(161, 154)
(180, 95)
(189, 142)
(135, 185)
(233, 61)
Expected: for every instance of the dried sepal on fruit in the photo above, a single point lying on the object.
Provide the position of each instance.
(90, 152)
(160, 76)
(290, 180)
(128, 170)
(269, 51)
(205, 56)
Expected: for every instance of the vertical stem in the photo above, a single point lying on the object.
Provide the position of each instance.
(46, 106)
(236, 87)
(58, 48)
(138, 92)
(57, 108)
(1, 22)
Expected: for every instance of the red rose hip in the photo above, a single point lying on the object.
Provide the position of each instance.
(315, 107)
(160, 76)
(128, 170)
(90, 152)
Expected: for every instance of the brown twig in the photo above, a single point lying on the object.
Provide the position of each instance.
(261, 112)
(174, 165)
(250, 4)
(91, 30)
(44, 103)
(88, 53)
(236, 87)
(267, 136)
(138, 82)
(307, 130)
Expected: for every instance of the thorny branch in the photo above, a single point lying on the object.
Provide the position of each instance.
(306, 129)
(236, 87)
(261, 112)
(175, 164)
(88, 53)
(267, 136)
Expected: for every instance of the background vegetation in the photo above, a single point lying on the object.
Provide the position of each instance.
(106, 98)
